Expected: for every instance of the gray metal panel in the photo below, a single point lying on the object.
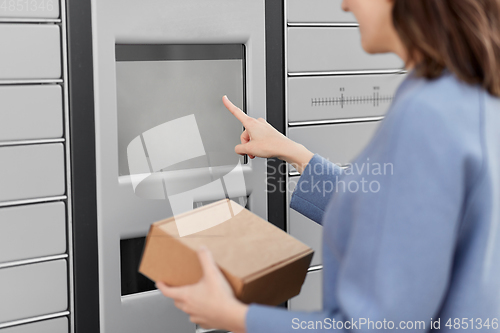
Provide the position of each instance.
(47, 9)
(339, 143)
(311, 294)
(333, 49)
(308, 232)
(304, 229)
(33, 290)
(150, 306)
(32, 171)
(121, 213)
(32, 231)
(33, 52)
(31, 112)
(59, 325)
(340, 97)
(317, 11)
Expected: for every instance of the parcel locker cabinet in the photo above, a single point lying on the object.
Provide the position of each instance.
(59, 325)
(318, 11)
(38, 9)
(33, 52)
(33, 290)
(340, 97)
(31, 112)
(339, 143)
(333, 49)
(32, 231)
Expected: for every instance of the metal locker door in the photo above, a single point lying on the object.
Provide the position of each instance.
(311, 295)
(304, 229)
(32, 231)
(339, 143)
(28, 172)
(340, 97)
(31, 112)
(34, 52)
(33, 290)
(48, 9)
(333, 49)
(317, 11)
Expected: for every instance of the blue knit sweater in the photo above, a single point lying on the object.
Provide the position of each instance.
(412, 229)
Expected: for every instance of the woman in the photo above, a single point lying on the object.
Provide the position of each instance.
(425, 245)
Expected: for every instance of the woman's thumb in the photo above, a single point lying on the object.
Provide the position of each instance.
(206, 260)
(242, 149)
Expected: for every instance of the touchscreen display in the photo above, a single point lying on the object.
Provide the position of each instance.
(158, 84)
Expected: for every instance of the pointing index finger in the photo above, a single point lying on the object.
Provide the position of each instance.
(240, 115)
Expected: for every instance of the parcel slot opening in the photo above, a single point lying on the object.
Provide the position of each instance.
(131, 250)
(133, 282)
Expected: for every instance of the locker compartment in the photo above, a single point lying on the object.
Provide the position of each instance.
(33, 9)
(304, 229)
(311, 294)
(34, 52)
(317, 11)
(31, 112)
(133, 282)
(308, 232)
(340, 97)
(33, 290)
(32, 231)
(333, 49)
(32, 171)
(151, 312)
(59, 325)
(339, 143)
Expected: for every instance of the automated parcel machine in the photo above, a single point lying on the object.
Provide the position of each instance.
(158, 62)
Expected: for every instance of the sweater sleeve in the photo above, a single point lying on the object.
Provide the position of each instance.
(267, 319)
(315, 188)
(396, 263)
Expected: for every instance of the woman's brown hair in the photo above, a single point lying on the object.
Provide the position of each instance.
(462, 36)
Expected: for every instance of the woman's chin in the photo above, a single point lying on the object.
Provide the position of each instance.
(373, 48)
(370, 49)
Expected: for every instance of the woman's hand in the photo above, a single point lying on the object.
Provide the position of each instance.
(262, 140)
(210, 302)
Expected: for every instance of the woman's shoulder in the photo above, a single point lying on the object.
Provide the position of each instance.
(446, 96)
(436, 121)
(444, 105)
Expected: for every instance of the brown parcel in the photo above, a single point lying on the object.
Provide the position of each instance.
(262, 263)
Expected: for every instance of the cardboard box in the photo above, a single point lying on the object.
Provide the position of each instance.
(262, 263)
